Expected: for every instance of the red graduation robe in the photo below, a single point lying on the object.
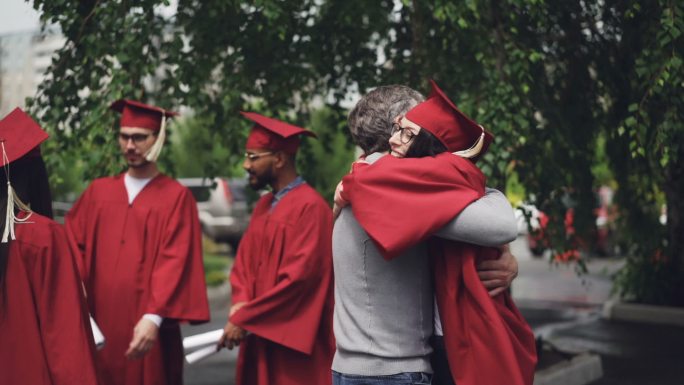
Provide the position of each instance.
(145, 257)
(283, 271)
(45, 336)
(400, 202)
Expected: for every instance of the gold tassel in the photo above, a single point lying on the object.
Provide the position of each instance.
(9, 226)
(12, 200)
(475, 149)
(154, 151)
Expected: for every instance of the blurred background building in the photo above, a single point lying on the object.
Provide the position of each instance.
(24, 57)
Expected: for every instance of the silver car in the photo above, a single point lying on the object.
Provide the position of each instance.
(222, 206)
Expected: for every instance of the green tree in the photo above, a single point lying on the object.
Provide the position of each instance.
(326, 160)
(196, 151)
(644, 110)
(554, 81)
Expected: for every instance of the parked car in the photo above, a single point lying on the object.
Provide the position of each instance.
(222, 206)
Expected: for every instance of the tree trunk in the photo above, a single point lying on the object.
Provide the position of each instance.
(418, 52)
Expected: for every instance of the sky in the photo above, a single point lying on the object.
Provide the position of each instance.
(17, 16)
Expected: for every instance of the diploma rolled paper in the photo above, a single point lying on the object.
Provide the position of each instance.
(202, 339)
(200, 354)
(97, 334)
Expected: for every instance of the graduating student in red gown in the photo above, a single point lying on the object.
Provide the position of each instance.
(282, 285)
(400, 202)
(45, 336)
(139, 239)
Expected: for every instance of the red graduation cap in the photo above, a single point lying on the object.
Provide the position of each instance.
(20, 136)
(140, 115)
(273, 134)
(453, 128)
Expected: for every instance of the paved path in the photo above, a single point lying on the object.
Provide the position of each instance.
(218, 369)
(565, 310)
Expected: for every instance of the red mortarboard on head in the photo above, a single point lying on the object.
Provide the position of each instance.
(273, 134)
(20, 135)
(453, 128)
(139, 115)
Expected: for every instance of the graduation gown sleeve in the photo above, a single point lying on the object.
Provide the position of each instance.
(289, 313)
(392, 191)
(177, 284)
(240, 281)
(76, 225)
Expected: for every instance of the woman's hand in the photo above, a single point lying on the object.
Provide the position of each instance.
(339, 201)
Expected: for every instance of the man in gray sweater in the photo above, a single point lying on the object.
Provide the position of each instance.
(383, 319)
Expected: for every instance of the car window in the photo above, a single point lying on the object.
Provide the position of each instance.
(201, 193)
(237, 190)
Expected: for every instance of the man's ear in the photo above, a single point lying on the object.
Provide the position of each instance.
(280, 159)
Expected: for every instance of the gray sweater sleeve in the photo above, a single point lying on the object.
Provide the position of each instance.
(488, 221)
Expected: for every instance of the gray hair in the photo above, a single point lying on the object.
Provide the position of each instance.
(370, 121)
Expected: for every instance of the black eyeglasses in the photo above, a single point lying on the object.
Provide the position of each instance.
(136, 138)
(252, 156)
(405, 133)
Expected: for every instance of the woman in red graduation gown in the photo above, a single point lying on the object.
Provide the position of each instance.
(400, 202)
(45, 336)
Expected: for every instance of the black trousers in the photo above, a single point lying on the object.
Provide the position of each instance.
(440, 363)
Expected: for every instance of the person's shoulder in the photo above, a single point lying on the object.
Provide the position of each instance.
(166, 181)
(454, 160)
(41, 220)
(307, 190)
(170, 186)
(38, 230)
(105, 182)
(307, 202)
(374, 157)
(307, 194)
(265, 198)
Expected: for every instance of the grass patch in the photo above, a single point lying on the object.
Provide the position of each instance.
(216, 269)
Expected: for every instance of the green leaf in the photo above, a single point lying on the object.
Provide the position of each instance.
(621, 130)
(630, 121)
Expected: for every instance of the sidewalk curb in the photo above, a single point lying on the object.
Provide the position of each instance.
(614, 309)
(580, 370)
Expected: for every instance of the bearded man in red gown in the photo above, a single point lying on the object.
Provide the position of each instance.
(139, 240)
(282, 285)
